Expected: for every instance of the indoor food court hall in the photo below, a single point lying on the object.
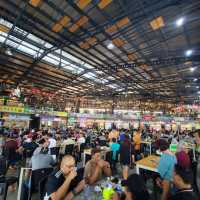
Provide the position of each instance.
(99, 100)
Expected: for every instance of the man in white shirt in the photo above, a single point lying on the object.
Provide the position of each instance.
(52, 141)
(81, 140)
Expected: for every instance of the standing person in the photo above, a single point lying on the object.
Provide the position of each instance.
(11, 147)
(165, 168)
(197, 138)
(137, 143)
(114, 133)
(115, 149)
(65, 183)
(2, 142)
(41, 160)
(126, 156)
(52, 141)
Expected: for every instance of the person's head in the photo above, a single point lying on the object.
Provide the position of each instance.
(114, 140)
(50, 135)
(67, 164)
(135, 188)
(183, 178)
(163, 145)
(96, 156)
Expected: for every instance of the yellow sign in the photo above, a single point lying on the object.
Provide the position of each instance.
(60, 114)
(12, 109)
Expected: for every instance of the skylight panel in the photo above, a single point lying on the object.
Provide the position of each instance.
(11, 43)
(30, 46)
(2, 39)
(90, 75)
(27, 50)
(111, 78)
(67, 55)
(5, 23)
(51, 60)
(35, 38)
(88, 66)
(48, 45)
(113, 86)
(104, 80)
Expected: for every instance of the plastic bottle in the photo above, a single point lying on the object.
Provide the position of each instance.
(46, 197)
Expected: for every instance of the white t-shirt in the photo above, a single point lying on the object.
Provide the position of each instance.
(81, 140)
(52, 143)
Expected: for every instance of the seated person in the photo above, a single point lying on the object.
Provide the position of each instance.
(183, 179)
(96, 167)
(65, 182)
(165, 168)
(135, 188)
(41, 160)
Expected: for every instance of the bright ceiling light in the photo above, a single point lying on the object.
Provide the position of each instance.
(195, 79)
(110, 46)
(180, 21)
(192, 69)
(188, 52)
(198, 92)
(197, 87)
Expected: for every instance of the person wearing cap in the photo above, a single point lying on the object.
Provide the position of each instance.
(183, 179)
(96, 167)
(65, 182)
(165, 168)
(135, 188)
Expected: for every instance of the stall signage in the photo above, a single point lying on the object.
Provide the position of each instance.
(12, 109)
(59, 114)
(147, 117)
(179, 119)
(19, 117)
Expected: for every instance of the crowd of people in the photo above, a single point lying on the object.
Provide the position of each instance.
(177, 175)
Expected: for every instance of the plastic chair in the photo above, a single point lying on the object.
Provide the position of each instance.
(41, 188)
(55, 151)
(69, 149)
(37, 176)
(5, 181)
(3, 190)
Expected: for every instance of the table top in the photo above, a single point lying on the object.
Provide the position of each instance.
(149, 162)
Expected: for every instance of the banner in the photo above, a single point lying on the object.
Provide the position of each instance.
(12, 109)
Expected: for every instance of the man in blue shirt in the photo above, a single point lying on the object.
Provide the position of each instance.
(166, 167)
(114, 148)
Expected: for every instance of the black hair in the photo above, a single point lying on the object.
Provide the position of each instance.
(42, 141)
(114, 140)
(95, 150)
(137, 187)
(184, 173)
(163, 145)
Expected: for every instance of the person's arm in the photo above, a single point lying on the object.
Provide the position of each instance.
(165, 187)
(94, 177)
(62, 190)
